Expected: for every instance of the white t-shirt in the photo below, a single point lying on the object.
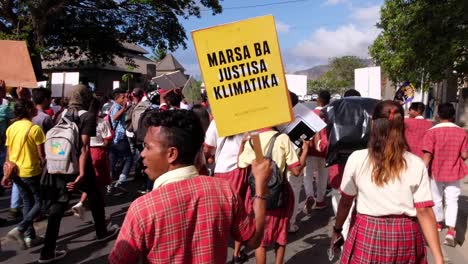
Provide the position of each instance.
(103, 131)
(227, 155)
(399, 197)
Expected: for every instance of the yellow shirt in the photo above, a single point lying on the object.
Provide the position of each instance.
(26, 159)
(283, 151)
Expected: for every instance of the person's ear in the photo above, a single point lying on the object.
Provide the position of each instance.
(172, 154)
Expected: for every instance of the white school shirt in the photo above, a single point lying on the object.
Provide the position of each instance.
(227, 155)
(398, 197)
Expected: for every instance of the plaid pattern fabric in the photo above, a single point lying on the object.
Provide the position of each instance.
(188, 221)
(276, 220)
(335, 172)
(446, 143)
(415, 129)
(388, 239)
(238, 180)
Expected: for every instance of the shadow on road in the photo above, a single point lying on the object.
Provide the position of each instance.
(317, 252)
(462, 219)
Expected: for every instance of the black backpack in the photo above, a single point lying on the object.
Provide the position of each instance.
(276, 187)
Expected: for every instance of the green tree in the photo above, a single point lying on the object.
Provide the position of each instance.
(422, 41)
(96, 29)
(339, 78)
(192, 92)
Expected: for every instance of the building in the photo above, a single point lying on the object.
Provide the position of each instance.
(104, 77)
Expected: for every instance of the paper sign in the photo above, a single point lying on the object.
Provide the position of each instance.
(243, 73)
(297, 84)
(62, 82)
(306, 123)
(367, 82)
(16, 68)
(115, 84)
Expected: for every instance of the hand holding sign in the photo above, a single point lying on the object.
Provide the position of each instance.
(244, 77)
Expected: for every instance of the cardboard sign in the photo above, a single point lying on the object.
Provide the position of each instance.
(367, 82)
(16, 68)
(62, 81)
(243, 74)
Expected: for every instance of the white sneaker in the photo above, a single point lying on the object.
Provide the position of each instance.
(17, 236)
(293, 228)
(33, 242)
(450, 239)
(79, 210)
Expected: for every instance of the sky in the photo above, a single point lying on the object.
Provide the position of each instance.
(310, 32)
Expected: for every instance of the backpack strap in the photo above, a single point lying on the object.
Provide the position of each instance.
(272, 143)
(270, 146)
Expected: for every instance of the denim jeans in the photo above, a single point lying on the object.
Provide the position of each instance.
(15, 200)
(30, 192)
(120, 151)
(2, 159)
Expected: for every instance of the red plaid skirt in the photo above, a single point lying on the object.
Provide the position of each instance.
(276, 220)
(237, 178)
(387, 239)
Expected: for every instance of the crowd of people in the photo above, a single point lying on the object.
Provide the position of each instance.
(202, 189)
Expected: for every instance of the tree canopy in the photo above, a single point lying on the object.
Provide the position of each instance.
(97, 29)
(340, 76)
(422, 40)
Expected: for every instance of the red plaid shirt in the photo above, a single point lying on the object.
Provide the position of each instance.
(323, 144)
(188, 221)
(446, 142)
(415, 129)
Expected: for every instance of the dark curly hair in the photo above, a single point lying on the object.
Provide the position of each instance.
(23, 109)
(180, 129)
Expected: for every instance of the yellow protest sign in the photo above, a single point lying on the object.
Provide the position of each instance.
(243, 73)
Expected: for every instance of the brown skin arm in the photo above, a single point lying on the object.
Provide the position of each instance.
(296, 171)
(122, 110)
(427, 158)
(73, 186)
(41, 153)
(6, 182)
(261, 171)
(342, 212)
(428, 225)
(464, 155)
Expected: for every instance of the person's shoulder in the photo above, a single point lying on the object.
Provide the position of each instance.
(87, 116)
(413, 160)
(359, 155)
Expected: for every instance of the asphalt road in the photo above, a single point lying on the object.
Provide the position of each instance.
(309, 245)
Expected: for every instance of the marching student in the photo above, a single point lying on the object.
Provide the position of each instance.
(60, 186)
(277, 219)
(186, 218)
(99, 157)
(315, 166)
(415, 128)
(445, 148)
(226, 150)
(25, 148)
(393, 198)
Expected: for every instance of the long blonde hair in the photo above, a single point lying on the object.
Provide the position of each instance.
(387, 143)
